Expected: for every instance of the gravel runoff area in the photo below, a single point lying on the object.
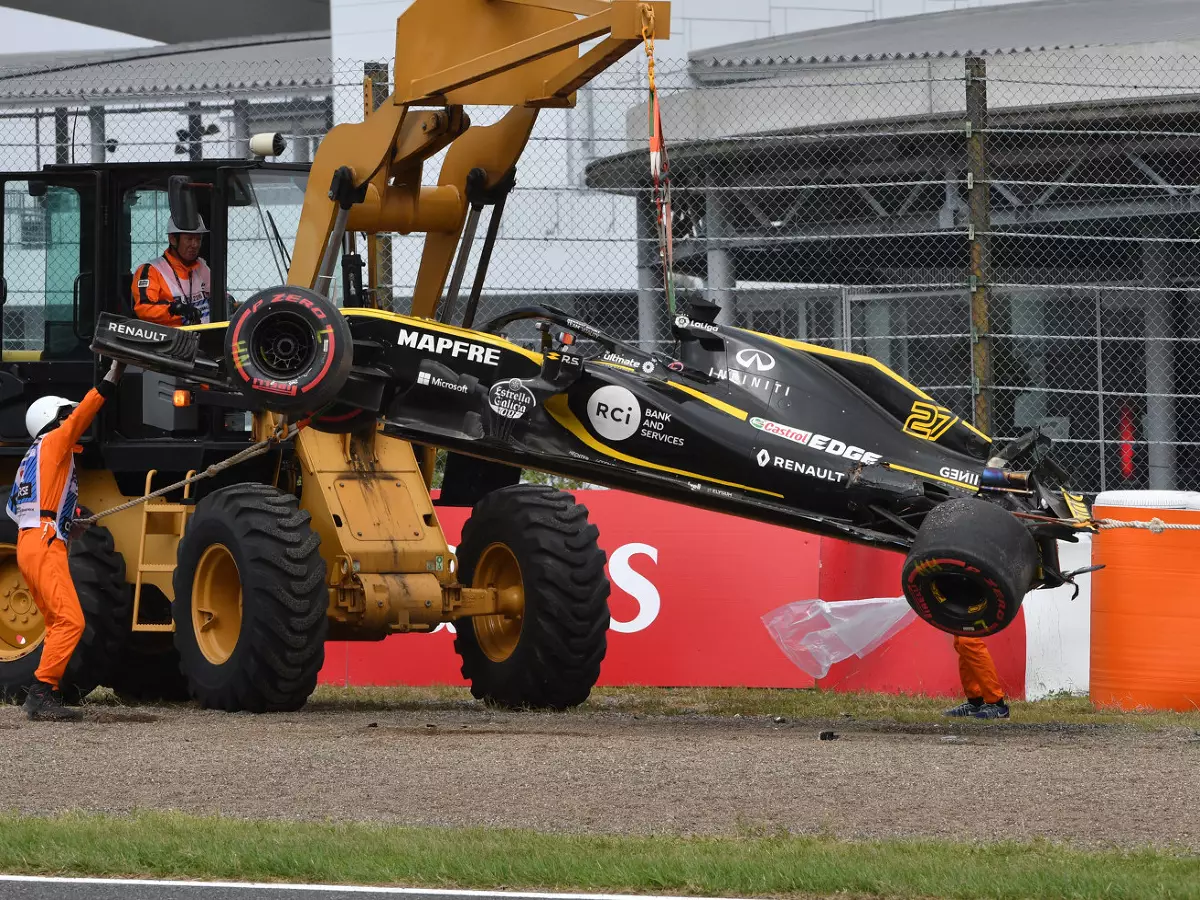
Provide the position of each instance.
(460, 764)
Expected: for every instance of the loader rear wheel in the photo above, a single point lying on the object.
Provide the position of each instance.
(289, 349)
(969, 568)
(98, 573)
(250, 601)
(534, 544)
(148, 671)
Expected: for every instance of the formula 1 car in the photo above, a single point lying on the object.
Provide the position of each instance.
(757, 426)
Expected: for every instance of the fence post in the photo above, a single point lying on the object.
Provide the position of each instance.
(379, 249)
(62, 136)
(241, 129)
(195, 132)
(979, 219)
(96, 135)
(651, 296)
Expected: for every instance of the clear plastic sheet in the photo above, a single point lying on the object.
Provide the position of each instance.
(815, 634)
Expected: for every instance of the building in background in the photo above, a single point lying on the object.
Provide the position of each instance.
(826, 186)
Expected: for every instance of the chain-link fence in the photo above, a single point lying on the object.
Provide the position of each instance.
(1014, 233)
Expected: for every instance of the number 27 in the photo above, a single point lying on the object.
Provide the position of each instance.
(928, 421)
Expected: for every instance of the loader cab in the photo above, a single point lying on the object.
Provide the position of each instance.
(73, 237)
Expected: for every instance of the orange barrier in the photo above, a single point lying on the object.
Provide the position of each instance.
(1145, 644)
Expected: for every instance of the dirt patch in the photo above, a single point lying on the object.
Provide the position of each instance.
(612, 772)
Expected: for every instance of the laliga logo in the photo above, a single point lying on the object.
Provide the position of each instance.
(622, 575)
(758, 360)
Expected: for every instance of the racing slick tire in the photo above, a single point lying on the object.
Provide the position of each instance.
(534, 544)
(250, 601)
(969, 568)
(98, 572)
(289, 349)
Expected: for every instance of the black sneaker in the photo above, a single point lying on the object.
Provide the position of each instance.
(964, 710)
(992, 711)
(44, 704)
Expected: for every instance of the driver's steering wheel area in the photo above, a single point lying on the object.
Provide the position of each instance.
(570, 323)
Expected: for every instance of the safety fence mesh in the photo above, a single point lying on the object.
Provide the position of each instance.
(1014, 233)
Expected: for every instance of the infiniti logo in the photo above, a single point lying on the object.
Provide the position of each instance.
(758, 360)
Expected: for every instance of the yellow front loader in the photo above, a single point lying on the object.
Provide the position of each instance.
(227, 590)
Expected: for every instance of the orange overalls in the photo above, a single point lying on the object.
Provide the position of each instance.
(44, 500)
(157, 283)
(977, 671)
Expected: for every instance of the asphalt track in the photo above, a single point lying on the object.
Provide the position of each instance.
(19, 887)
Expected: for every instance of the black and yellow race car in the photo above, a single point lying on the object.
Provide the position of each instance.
(749, 424)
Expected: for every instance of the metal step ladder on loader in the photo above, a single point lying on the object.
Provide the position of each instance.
(160, 518)
(265, 573)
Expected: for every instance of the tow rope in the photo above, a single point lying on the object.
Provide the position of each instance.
(215, 469)
(659, 167)
(1155, 525)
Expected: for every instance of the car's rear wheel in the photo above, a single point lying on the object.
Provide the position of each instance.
(969, 568)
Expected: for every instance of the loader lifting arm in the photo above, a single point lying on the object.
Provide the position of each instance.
(367, 176)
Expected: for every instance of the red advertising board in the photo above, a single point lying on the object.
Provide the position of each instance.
(689, 589)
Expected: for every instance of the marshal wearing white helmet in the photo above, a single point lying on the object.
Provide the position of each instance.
(42, 503)
(174, 289)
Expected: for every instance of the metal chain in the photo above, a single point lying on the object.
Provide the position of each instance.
(215, 469)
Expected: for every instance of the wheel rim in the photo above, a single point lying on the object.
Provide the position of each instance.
(960, 597)
(22, 627)
(499, 634)
(284, 344)
(217, 604)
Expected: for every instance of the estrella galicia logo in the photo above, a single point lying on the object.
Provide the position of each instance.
(754, 359)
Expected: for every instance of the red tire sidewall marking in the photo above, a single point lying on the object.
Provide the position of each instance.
(917, 594)
(328, 339)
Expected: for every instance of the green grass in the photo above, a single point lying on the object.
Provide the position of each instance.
(167, 845)
(763, 702)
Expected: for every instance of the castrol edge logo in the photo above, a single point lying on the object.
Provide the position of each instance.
(815, 441)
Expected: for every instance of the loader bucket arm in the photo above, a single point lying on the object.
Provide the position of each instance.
(450, 54)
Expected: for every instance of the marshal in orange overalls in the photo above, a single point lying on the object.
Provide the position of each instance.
(977, 671)
(43, 505)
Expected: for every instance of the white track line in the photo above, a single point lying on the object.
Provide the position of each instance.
(344, 888)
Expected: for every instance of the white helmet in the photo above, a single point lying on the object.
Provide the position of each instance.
(172, 228)
(43, 411)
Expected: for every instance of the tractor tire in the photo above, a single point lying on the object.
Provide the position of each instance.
(149, 671)
(98, 573)
(538, 541)
(250, 601)
(289, 349)
(969, 568)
